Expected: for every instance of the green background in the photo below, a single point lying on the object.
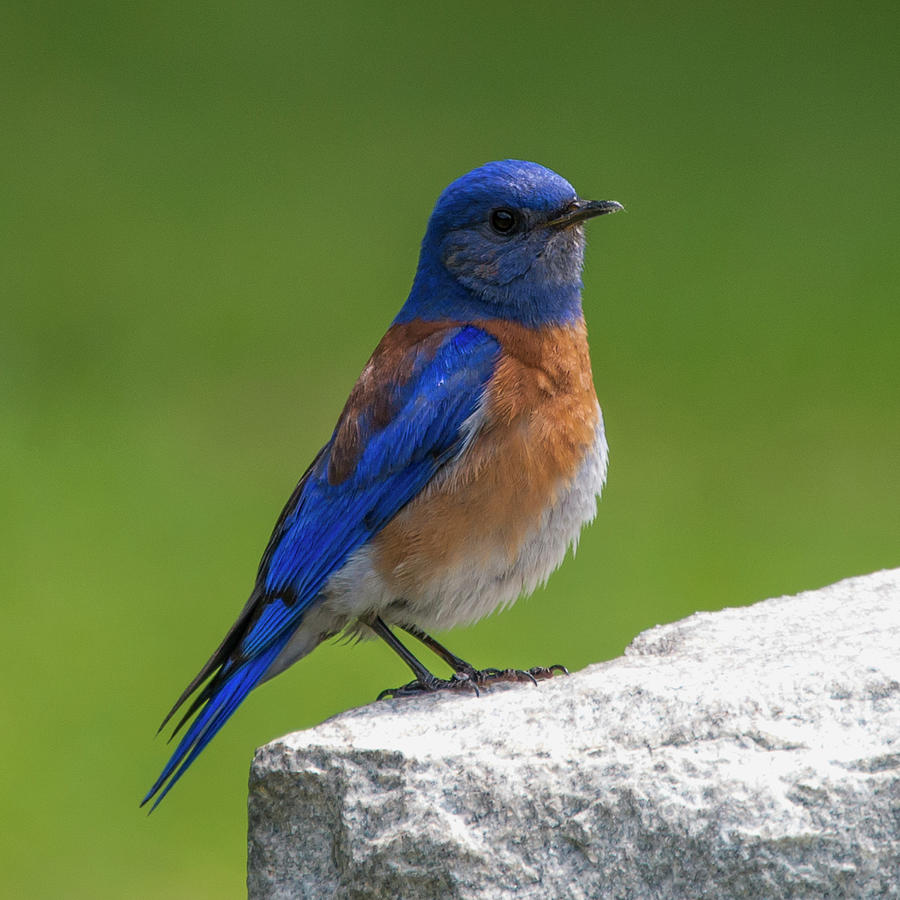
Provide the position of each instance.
(210, 213)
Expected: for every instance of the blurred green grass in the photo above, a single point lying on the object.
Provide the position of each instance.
(209, 215)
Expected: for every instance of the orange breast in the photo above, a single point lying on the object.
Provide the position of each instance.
(536, 425)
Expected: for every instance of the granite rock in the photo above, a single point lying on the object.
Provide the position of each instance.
(752, 752)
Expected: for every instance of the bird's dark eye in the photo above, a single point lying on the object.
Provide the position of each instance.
(503, 220)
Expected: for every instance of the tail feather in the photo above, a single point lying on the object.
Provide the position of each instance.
(209, 690)
(221, 697)
(219, 660)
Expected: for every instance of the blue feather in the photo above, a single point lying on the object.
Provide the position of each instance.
(214, 715)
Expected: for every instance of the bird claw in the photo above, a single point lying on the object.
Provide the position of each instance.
(544, 672)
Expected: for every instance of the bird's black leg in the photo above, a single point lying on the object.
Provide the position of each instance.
(452, 660)
(481, 676)
(425, 681)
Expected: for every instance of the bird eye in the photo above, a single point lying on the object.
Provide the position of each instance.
(503, 220)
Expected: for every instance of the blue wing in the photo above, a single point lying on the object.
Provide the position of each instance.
(404, 420)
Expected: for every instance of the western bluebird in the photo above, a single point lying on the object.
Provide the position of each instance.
(466, 460)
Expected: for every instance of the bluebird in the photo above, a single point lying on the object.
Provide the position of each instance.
(467, 458)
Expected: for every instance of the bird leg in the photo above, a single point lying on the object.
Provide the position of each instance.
(482, 676)
(425, 681)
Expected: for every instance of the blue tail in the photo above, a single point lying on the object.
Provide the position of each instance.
(218, 700)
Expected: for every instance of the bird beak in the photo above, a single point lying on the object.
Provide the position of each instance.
(579, 210)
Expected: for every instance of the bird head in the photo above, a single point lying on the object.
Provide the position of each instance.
(507, 239)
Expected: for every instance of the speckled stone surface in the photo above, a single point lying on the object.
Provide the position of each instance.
(753, 752)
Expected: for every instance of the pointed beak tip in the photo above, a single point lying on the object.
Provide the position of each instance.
(602, 207)
(581, 210)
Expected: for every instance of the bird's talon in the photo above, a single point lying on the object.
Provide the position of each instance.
(464, 679)
(544, 672)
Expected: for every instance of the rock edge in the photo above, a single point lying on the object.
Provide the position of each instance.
(752, 752)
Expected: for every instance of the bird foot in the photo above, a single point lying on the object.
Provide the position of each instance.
(534, 674)
(472, 680)
(458, 681)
